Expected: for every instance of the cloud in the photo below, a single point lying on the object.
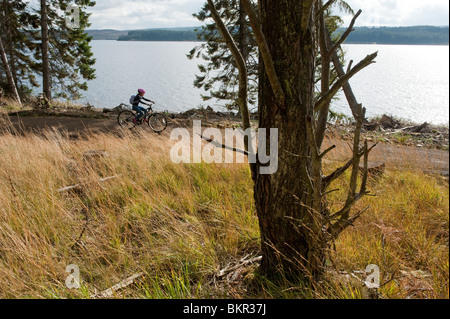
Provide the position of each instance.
(400, 12)
(140, 14)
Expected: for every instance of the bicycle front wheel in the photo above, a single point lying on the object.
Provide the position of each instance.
(125, 119)
(157, 122)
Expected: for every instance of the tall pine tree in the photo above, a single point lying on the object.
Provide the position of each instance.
(17, 24)
(71, 60)
(39, 43)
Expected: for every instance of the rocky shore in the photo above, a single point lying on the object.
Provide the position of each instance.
(384, 129)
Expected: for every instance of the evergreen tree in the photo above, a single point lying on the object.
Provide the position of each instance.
(17, 23)
(65, 60)
(219, 76)
(70, 57)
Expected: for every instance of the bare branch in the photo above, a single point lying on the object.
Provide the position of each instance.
(356, 160)
(343, 80)
(365, 169)
(346, 33)
(223, 146)
(308, 178)
(330, 191)
(312, 139)
(322, 118)
(9, 76)
(327, 180)
(108, 293)
(316, 164)
(78, 186)
(327, 151)
(325, 7)
(350, 64)
(337, 228)
(243, 78)
(336, 174)
(355, 107)
(242, 67)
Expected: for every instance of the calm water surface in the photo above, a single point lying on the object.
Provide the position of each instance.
(411, 82)
(406, 81)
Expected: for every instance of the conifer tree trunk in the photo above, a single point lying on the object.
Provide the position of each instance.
(288, 208)
(46, 76)
(242, 38)
(296, 226)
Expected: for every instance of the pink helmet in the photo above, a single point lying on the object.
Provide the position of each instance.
(142, 91)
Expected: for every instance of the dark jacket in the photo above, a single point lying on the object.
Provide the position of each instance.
(138, 99)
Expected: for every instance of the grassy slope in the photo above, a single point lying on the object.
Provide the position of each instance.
(180, 224)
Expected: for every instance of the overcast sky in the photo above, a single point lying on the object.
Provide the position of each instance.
(141, 14)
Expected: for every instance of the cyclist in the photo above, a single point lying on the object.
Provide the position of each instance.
(139, 109)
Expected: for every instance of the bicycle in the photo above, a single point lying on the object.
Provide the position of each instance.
(156, 121)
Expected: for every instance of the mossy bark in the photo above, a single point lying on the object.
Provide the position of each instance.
(288, 211)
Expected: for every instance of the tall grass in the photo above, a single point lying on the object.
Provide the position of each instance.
(405, 232)
(181, 224)
(157, 217)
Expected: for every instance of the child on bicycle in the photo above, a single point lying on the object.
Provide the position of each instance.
(139, 99)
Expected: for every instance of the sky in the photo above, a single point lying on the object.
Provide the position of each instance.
(141, 14)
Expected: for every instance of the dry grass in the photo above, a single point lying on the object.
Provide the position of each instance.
(181, 224)
(405, 232)
(8, 104)
(157, 217)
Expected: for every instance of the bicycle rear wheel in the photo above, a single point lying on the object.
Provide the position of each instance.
(125, 119)
(157, 122)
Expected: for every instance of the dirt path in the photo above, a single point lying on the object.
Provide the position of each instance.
(400, 156)
(427, 160)
(72, 125)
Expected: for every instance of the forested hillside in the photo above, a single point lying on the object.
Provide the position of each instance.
(380, 35)
(160, 35)
(399, 35)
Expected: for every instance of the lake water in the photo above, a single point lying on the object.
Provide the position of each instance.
(410, 82)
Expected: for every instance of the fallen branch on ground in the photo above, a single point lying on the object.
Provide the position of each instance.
(77, 186)
(123, 284)
(229, 271)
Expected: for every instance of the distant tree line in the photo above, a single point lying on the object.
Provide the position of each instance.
(400, 35)
(160, 35)
(380, 35)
